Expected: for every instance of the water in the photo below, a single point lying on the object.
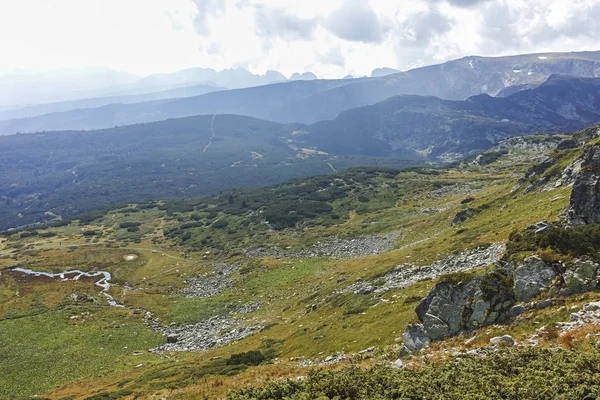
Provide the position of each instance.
(103, 282)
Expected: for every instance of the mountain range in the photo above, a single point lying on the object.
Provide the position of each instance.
(65, 173)
(68, 86)
(317, 100)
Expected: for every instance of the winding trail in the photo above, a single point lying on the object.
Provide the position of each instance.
(331, 166)
(212, 129)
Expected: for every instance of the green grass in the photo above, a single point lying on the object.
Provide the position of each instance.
(374, 202)
(41, 351)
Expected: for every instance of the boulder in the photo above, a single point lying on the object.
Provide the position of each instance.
(566, 144)
(531, 277)
(398, 364)
(172, 339)
(516, 310)
(581, 277)
(505, 340)
(584, 206)
(459, 305)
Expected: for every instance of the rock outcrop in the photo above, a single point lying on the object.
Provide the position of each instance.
(460, 304)
(532, 277)
(585, 197)
(581, 277)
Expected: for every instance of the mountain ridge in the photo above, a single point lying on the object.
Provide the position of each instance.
(313, 101)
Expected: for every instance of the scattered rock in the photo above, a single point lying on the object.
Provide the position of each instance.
(211, 284)
(398, 364)
(213, 332)
(595, 306)
(336, 248)
(505, 340)
(406, 275)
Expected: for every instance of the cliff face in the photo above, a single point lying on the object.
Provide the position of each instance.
(585, 197)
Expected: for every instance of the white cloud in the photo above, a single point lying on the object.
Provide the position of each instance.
(329, 37)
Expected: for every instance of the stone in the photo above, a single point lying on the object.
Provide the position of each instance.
(516, 310)
(172, 339)
(453, 308)
(581, 277)
(594, 306)
(398, 364)
(404, 352)
(531, 277)
(505, 340)
(415, 337)
(542, 304)
(566, 144)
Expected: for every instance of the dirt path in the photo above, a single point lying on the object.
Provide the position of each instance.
(212, 129)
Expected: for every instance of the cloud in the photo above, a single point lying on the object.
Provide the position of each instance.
(273, 23)
(356, 21)
(510, 26)
(333, 57)
(462, 3)
(206, 8)
(421, 27)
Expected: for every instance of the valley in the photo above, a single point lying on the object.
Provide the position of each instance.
(194, 204)
(233, 289)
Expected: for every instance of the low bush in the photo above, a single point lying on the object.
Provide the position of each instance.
(528, 374)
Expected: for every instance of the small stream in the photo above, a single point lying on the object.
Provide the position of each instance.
(103, 282)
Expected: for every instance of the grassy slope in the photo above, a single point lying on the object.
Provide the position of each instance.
(285, 287)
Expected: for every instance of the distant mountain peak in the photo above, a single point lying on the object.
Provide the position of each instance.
(306, 76)
(379, 72)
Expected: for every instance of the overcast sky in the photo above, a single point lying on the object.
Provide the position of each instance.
(329, 37)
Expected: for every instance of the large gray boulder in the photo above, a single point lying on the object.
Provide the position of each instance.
(458, 306)
(531, 277)
(585, 197)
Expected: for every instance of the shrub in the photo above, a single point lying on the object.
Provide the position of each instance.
(576, 242)
(253, 357)
(125, 225)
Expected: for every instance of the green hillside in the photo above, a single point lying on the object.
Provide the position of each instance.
(253, 285)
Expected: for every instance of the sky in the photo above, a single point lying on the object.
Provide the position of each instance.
(331, 38)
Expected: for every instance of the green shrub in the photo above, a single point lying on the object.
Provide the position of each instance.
(575, 242)
(527, 374)
(253, 357)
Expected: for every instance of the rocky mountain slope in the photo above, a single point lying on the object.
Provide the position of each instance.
(443, 128)
(312, 101)
(231, 294)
